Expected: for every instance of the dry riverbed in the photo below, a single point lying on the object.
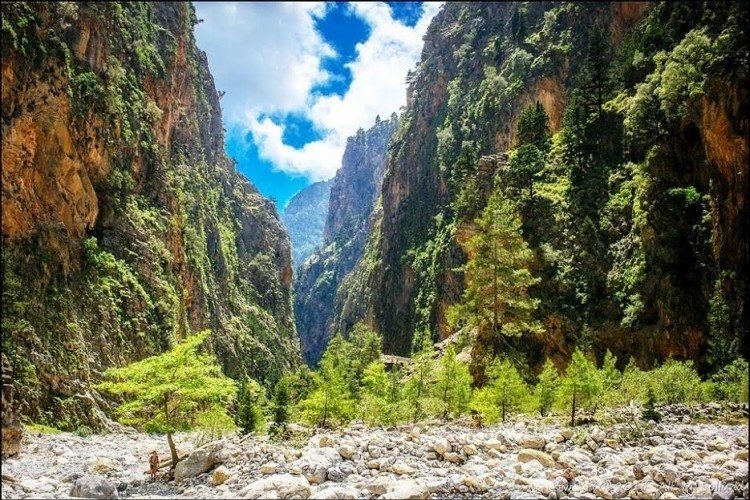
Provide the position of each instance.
(525, 459)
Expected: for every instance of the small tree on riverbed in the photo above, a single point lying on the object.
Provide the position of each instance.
(169, 392)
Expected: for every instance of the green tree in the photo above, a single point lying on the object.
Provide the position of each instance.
(581, 385)
(453, 384)
(330, 399)
(496, 298)
(533, 128)
(547, 388)
(281, 401)
(505, 392)
(249, 416)
(676, 382)
(166, 393)
(525, 163)
(366, 347)
(417, 393)
(610, 376)
(382, 395)
(731, 382)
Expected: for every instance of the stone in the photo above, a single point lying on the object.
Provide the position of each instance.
(347, 451)
(717, 445)
(453, 457)
(101, 465)
(542, 485)
(494, 444)
(572, 458)
(533, 442)
(409, 489)
(470, 450)
(566, 434)
(341, 471)
(528, 454)
(375, 451)
(440, 445)
(93, 486)
(278, 485)
(198, 462)
(321, 441)
(612, 443)
(339, 491)
(219, 475)
(402, 469)
(269, 468)
(598, 435)
(645, 490)
(741, 455)
(378, 486)
(314, 464)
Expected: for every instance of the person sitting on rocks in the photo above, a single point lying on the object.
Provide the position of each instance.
(153, 462)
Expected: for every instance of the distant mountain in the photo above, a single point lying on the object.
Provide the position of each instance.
(354, 192)
(305, 218)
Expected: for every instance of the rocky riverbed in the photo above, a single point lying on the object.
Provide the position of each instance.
(526, 459)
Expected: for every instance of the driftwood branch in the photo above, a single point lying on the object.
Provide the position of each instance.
(167, 463)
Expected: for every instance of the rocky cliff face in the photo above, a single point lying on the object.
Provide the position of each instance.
(676, 250)
(353, 194)
(304, 218)
(125, 225)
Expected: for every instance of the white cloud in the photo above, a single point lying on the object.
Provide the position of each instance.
(276, 73)
(265, 55)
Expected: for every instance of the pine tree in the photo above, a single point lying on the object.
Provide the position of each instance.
(505, 392)
(610, 376)
(496, 299)
(533, 128)
(417, 393)
(281, 401)
(250, 398)
(453, 385)
(331, 399)
(382, 395)
(168, 392)
(547, 388)
(366, 347)
(581, 384)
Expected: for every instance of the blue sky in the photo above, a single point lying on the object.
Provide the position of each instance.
(301, 77)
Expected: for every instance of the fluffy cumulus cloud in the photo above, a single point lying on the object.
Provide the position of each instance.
(268, 58)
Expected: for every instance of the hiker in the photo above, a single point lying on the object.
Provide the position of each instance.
(153, 462)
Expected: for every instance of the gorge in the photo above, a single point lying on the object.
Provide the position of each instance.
(555, 223)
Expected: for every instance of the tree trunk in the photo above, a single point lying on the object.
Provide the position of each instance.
(325, 409)
(172, 450)
(573, 410)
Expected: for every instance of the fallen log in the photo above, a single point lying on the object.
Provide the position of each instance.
(168, 463)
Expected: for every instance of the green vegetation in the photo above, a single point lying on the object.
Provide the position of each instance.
(496, 300)
(251, 400)
(172, 391)
(440, 386)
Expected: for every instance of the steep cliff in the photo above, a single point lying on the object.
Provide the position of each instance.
(353, 193)
(638, 217)
(304, 218)
(125, 225)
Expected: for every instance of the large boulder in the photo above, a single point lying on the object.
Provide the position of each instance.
(201, 460)
(533, 442)
(93, 486)
(339, 491)
(315, 462)
(528, 455)
(278, 486)
(407, 489)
